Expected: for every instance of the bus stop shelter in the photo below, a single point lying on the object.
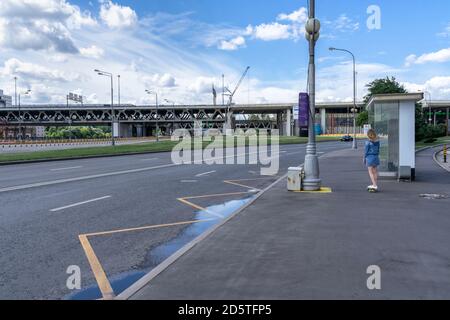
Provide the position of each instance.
(393, 118)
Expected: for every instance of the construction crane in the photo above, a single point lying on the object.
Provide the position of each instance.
(231, 94)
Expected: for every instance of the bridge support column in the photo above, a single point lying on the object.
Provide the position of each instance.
(229, 123)
(125, 130)
(323, 120)
(288, 123)
(139, 130)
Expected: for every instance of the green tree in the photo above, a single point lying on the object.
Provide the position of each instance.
(384, 86)
(363, 118)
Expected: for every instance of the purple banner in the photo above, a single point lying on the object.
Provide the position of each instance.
(303, 114)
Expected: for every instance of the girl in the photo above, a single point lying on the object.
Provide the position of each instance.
(372, 158)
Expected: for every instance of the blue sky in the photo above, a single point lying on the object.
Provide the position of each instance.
(181, 47)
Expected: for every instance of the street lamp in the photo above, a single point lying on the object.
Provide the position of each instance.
(312, 180)
(429, 106)
(355, 143)
(171, 102)
(20, 115)
(110, 75)
(157, 114)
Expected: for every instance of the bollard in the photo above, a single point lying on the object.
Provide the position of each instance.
(445, 153)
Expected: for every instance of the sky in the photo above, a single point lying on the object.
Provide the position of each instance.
(180, 48)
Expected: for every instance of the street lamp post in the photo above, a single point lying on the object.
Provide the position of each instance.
(110, 75)
(355, 142)
(430, 119)
(312, 180)
(157, 113)
(20, 113)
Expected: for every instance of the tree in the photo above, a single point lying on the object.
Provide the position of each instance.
(383, 86)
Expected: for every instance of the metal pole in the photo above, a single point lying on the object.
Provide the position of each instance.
(223, 89)
(157, 118)
(118, 96)
(312, 181)
(20, 121)
(113, 140)
(355, 142)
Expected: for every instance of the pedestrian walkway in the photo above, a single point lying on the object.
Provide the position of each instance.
(319, 246)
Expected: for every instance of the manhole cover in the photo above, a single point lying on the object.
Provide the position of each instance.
(434, 196)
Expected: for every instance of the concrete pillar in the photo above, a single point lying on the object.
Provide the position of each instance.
(323, 120)
(139, 130)
(288, 123)
(125, 130)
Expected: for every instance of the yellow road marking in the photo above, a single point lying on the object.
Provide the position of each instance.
(146, 228)
(322, 190)
(236, 182)
(96, 267)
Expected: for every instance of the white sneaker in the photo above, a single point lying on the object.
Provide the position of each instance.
(370, 187)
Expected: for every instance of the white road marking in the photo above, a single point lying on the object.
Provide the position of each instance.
(69, 168)
(205, 173)
(79, 204)
(102, 175)
(150, 159)
(189, 181)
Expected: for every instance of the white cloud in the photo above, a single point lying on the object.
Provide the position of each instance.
(40, 24)
(233, 44)
(438, 56)
(162, 81)
(438, 86)
(298, 16)
(116, 16)
(92, 52)
(272, 31)
(26, 70)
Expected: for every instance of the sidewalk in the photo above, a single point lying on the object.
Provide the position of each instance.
(319, 246)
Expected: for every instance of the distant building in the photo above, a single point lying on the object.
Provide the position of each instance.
(5, 101)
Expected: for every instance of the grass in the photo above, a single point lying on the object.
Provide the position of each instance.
(151, 147)
(439, 141)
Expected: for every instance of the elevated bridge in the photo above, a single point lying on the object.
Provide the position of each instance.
(134, 120)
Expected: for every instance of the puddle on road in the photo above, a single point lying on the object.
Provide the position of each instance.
(157, 255)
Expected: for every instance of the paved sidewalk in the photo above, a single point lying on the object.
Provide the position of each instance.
(318, 246)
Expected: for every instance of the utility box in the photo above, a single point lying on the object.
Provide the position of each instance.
(295, 178)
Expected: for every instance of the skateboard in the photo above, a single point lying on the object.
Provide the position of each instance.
(372, 190)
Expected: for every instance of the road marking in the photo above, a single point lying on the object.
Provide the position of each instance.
(108, 174)
(205, 173)
(68, 168)
(96, 267)
(189, 181)
(150, 159)
(79, 204)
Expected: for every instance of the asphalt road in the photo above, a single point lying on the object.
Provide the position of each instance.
(46, 206)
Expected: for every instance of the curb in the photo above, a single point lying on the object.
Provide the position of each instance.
(78, 158)
(435, 158)
(145, 280)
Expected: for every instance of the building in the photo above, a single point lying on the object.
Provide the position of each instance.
(5, 101)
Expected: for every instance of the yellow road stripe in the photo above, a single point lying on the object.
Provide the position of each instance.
(146, 228)
(96, 267)
(322, 190)
(215, 195)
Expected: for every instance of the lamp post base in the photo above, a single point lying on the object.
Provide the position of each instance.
(312, 181)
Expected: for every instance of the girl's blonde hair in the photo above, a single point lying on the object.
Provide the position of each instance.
(372, 134)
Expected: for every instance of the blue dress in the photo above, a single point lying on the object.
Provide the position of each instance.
(372, 154)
